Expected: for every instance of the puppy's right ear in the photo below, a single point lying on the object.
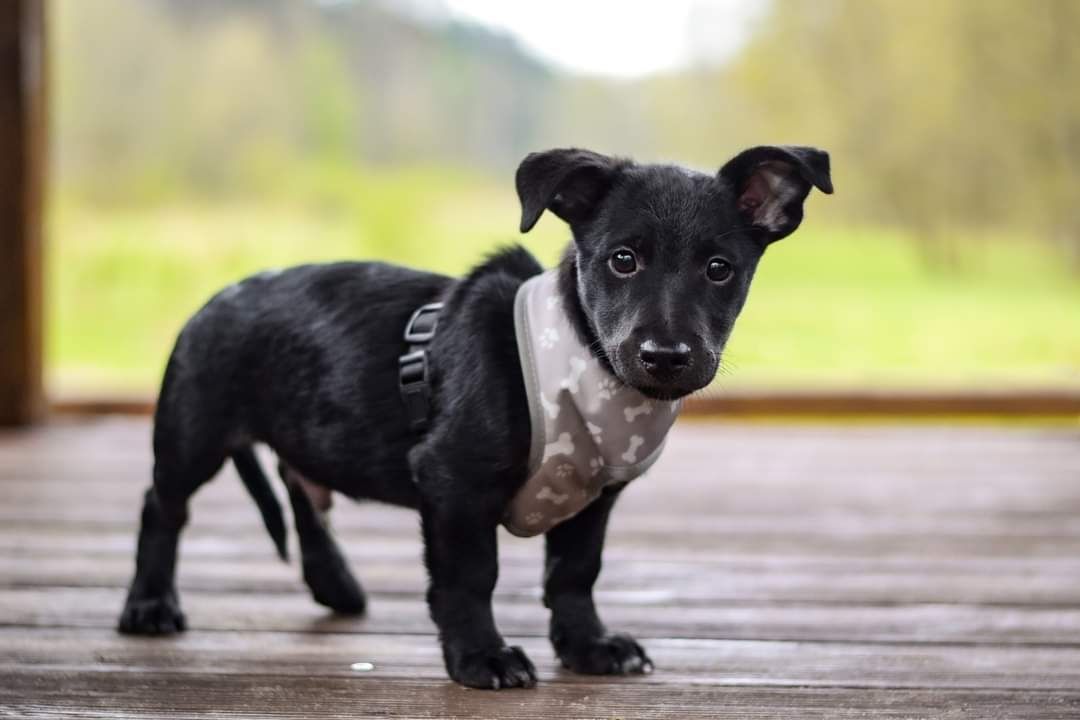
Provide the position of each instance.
(568, 182)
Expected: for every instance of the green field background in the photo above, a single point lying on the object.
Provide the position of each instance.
(192, 144)
(832, 306)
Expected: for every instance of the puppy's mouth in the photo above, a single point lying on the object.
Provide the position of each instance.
(665, 389)
(665, 386)
(663, 393)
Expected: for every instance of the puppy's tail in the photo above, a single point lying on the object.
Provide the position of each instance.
(258, 486)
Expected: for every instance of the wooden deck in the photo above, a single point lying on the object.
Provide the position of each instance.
(771, 571)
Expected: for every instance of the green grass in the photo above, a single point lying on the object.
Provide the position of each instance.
(829, 307)
(861, 308)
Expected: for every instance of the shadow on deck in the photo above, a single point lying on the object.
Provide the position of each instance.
(770, 570)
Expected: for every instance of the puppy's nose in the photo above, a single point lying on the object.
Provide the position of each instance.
(665, 360)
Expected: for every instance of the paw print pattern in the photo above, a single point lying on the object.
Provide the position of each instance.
(534, 518)
(546, 493)
(564, 471)
(605, 388)
(549, 338)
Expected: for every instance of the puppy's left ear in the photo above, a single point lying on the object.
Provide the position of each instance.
(568, 182)
(772, 181)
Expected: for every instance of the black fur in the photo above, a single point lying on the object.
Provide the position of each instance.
(305, 361)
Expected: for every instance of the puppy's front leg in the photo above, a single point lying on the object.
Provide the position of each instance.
(580, 640)
(462, 560)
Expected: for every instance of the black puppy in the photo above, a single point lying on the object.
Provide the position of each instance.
(306, 361)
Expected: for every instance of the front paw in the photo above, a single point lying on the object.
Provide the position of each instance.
(493, 669)
(611, 654)
(152, 616)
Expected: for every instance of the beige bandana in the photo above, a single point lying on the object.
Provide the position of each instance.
(588, 430)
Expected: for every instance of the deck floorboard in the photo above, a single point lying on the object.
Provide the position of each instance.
(809, 571)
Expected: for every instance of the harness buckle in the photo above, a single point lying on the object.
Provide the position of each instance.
(415, 391)
(421, 326)
(413, 378)
(412, 369)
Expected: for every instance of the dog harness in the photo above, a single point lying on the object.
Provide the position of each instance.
(588, 429)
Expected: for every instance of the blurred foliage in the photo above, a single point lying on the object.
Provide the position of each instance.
(943, 118)
(828, 307)
(196, 141)
(939, 115)
(158, 99)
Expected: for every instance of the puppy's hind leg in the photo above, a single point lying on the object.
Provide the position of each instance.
(326, 571)
(153, 606)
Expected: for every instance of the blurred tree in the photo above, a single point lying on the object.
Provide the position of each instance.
(942, 115)
(113, 97)
(946, 118)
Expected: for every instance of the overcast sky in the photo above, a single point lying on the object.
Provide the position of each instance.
(623, 38)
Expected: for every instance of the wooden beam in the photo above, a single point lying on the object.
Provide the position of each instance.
(883, 403)
(1062, 403)
(22, 166)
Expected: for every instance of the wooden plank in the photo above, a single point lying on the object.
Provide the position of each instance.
(708, 469)
(123, 440)
(867, 402)
(60, 607)
(22, 168)
(761, 533)
(969, 548)
(651, 583)
(1016, 561)
(678, 661)
(39, 693)
(773, 571)
(88, 405)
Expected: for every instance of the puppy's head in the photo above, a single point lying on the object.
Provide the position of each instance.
(663, 256)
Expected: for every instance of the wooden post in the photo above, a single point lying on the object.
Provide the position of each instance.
(22, 165)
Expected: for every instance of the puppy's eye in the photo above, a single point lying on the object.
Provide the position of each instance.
(719, 270)
(623, 263)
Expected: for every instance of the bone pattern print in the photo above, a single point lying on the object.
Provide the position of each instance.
(577, 369)
(550, 408)
(645, 408)
(589, 429)
(563, 445)
(630, 456)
